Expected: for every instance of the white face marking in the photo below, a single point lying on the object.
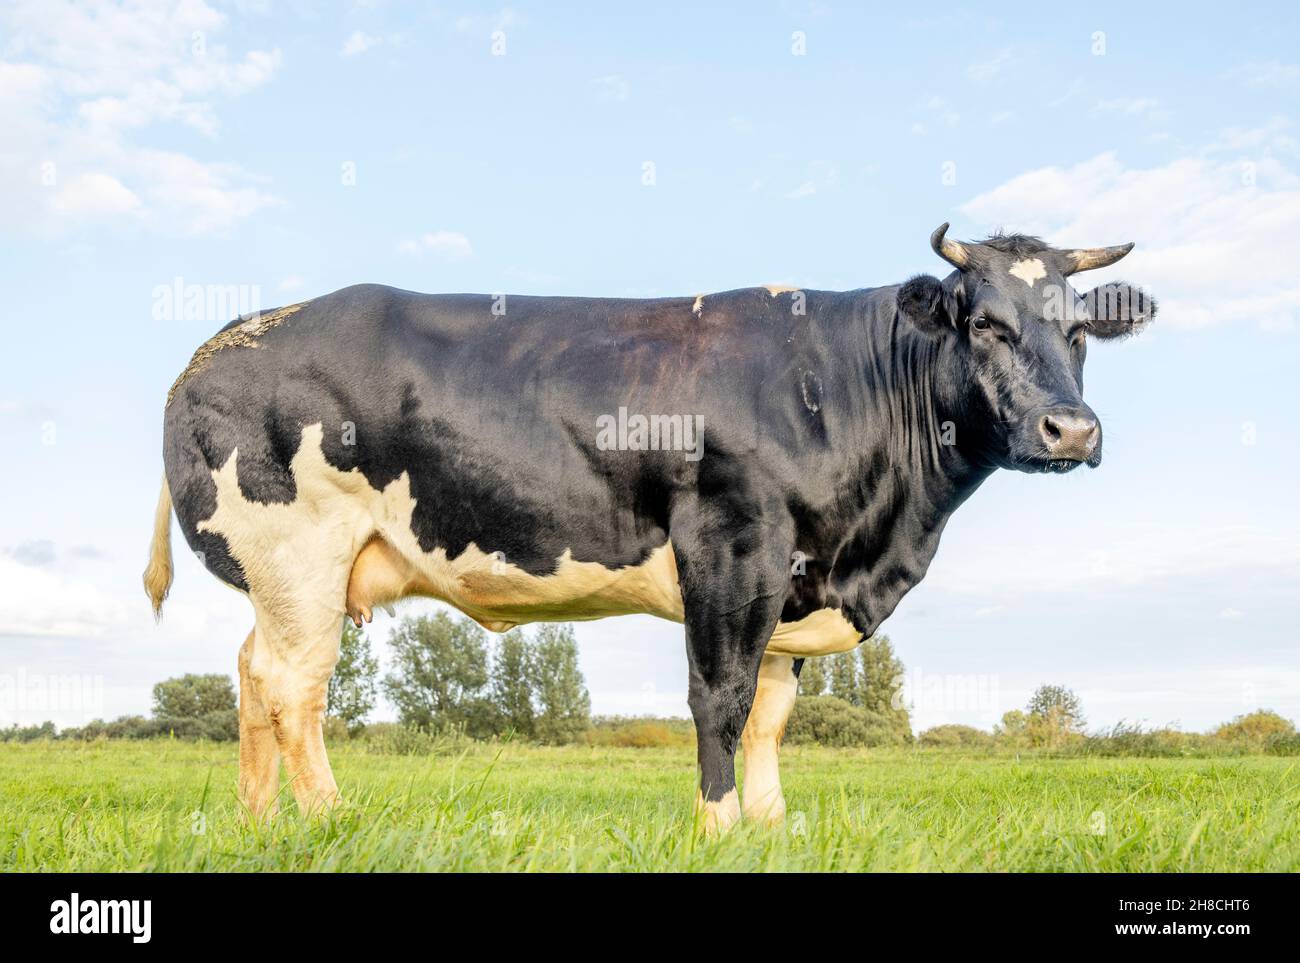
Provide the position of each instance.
(698, 308)
(1029, 270)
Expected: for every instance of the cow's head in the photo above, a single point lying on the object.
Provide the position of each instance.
(1019, 336)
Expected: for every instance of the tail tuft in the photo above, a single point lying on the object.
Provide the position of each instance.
(158, 573)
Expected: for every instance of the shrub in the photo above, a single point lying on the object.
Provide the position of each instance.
(831, 721)
(1129, 740)
(1012, 731)
(396, 739)
(16, 733)
(955, 736)
(193, 696)
(219, 725)
(1256, 730)
(1282, 744)
(640, 733)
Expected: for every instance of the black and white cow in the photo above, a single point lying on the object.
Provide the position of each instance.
(770, 467)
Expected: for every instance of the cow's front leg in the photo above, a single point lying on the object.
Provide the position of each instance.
(733, 596)
(778, 684)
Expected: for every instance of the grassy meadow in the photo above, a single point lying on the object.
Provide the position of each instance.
(169, 805)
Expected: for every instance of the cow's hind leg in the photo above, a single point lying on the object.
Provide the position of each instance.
(778, 683)
(259, 754)
(295, 649)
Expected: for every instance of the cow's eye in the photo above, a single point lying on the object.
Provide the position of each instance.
(979, 323)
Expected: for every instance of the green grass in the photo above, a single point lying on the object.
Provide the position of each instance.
(168, 805)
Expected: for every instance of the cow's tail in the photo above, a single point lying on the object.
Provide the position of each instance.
(158, 573)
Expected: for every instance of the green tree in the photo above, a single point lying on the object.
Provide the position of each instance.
(193, 696)
(512, 684)
(1014, 728)
(354, 684)
(1055, 714)
(1256, 729)
(440, 674)
(196, 707)
(844, 678)
(812, 677)
(563, 705)
(881, 683)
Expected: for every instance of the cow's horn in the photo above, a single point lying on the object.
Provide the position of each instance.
(954, 252)
(1088, 258)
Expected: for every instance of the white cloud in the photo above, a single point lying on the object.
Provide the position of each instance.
(1108, 563)
(1266, 73)
(79, 87)
(986, 70)
(54, 600)
(89, 196)
(359, 42)
(42, 602)
(821, 176)
(38, 552)
(449, 245)
(1076, 87)
(291, 283)
(611, 88)
(943, 111)
(1133, 106)
(486, 23)
(189, 196)
(1215, 233)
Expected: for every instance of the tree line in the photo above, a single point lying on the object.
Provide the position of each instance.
(446, 679)
(1053, 720)
(188, 707)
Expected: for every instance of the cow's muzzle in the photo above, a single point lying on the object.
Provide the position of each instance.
(1060, 439)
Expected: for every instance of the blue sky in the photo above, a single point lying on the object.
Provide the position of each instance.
(290, 150)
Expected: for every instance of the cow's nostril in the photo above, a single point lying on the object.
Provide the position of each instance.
(1069, 434)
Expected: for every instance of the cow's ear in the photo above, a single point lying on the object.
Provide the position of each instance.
(928, 304)
(1118, 309)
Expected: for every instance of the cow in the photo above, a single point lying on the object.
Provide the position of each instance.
(770, 467)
